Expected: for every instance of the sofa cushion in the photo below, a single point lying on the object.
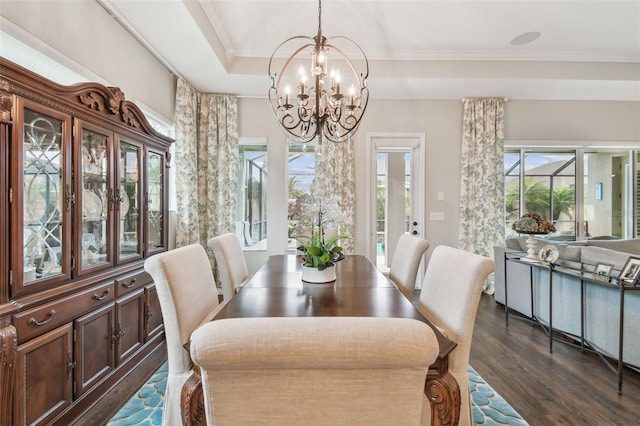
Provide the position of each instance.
(569, 252)
(566, 252)
(594, 255)
(631, 246)
(514, 243)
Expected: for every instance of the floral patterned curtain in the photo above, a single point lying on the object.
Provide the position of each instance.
(482, 178)
(335, 178)
(206, 162)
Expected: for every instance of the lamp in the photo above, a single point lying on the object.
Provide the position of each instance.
(308, 98)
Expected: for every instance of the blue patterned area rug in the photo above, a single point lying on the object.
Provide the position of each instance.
(145, 408)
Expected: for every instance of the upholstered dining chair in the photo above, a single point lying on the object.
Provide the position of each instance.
(405, 263)
(188, 298)
(314, 371)
(449, 298)
(231, 264)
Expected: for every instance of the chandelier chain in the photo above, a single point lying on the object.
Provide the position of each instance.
(319, 17)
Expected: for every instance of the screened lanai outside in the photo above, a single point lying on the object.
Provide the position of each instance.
(252, 208)
(588, 194)
(393, 202)
(302, 173)
(546, 187)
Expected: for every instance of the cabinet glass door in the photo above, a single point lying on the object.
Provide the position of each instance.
(46, 198)
(128, 202)
(94, 197)
(155, 198)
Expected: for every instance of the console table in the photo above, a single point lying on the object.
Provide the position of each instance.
(586, 277)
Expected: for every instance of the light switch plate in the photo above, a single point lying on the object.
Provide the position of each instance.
(436, 216)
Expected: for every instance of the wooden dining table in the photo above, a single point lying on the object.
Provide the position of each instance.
(360, 290)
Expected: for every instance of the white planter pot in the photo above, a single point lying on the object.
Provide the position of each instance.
(313, 275)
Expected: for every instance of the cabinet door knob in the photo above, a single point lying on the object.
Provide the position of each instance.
(71, 364)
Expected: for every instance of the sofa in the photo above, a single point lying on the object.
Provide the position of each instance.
(601, 304)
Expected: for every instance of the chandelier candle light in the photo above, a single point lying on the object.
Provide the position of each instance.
(307, 98)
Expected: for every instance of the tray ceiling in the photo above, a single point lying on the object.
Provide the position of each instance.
(587, 50)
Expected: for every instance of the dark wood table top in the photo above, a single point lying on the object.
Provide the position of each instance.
(360, 290)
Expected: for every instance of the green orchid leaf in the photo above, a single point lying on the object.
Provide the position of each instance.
(315, 251)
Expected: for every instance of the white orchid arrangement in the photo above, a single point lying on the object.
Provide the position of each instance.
(311, 214)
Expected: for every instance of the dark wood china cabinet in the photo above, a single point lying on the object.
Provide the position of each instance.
(83, 202)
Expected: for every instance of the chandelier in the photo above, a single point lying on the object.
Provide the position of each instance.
(307, 94)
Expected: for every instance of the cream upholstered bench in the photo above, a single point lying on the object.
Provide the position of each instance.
(314, 370)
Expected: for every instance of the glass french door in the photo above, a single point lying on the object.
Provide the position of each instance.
(396, 201)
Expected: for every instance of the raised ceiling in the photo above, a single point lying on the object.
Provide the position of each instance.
(587, 50)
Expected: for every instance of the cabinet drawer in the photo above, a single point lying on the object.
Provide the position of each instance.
(34, 322)
(130, 282)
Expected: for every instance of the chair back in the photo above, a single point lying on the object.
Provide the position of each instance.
(314, 370)
(188, 297)
(231, 264)
(405, 263)
(449, 298)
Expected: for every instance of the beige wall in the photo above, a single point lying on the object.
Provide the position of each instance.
(572, 121)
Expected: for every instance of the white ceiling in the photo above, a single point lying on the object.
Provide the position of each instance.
(587, 50)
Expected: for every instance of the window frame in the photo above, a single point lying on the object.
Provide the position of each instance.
(258, 145)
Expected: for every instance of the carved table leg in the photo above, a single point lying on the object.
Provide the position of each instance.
(192, 400)
(8, 353)
(443, 393)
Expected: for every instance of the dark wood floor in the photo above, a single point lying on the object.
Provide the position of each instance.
(566, 387)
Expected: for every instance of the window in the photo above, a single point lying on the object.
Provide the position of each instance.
(252, 197)
(585, 193)
(547, 187)
(301, 175)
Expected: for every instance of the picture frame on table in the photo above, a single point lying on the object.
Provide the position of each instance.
(602, 271)
(631, 271)
(548, 254)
